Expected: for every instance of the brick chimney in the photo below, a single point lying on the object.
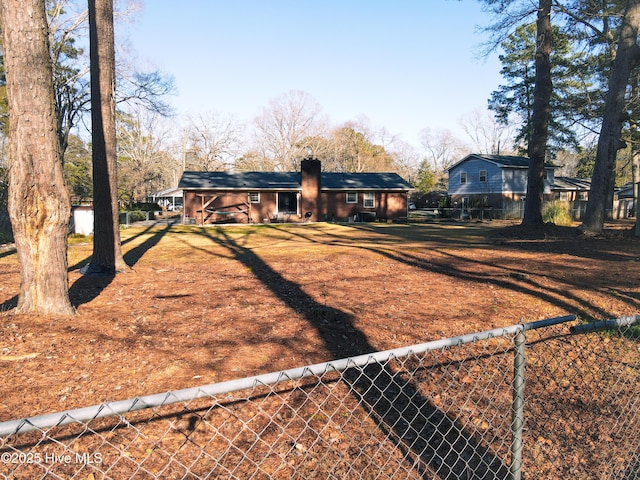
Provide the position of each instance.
(311, 183)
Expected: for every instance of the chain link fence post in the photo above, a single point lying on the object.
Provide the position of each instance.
(517, 408)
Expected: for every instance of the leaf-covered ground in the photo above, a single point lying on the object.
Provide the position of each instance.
(203, 305)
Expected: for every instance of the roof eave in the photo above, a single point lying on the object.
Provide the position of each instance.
(365, 188)
(244, 189)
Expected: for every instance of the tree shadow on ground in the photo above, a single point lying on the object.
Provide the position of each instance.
(430, 440)
(9, 304)
(88, 287)
(514, 281)
(546, 238)
(8, 252)
(504, 277)
(134, 257)
(572, 241)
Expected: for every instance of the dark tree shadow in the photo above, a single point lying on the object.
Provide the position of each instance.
(561, 298)
(508, 278)
(136, 256)
(8, 252)
(133, 256)
(429, 439)
(88, 287)
(9, 304)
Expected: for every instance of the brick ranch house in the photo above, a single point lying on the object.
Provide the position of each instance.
(308, 195)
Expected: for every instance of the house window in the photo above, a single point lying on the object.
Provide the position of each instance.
(352, 197)
(368, 200)
(463, 178)
(483, 176)
(582, 195)
(254, 197)
(287, 202)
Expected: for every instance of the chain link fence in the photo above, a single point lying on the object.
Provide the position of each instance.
(544, 400)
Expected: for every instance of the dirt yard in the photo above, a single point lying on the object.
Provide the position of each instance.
(202, 305)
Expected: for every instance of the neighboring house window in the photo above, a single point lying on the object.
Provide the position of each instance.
(483, 176)
(582, 195)
(463, 178)
(352, 197)
(254, 197)
(369, 200)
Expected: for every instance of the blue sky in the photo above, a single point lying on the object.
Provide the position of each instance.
(406, 65)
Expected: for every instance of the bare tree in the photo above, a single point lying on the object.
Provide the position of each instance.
(71, 87)
(486, 134)
(406, 160)
(282, 127)
(107, 252)
(67, 25)
(355, 148)
(442, 150)
(39, 204)
(212, 141)
(145, 164)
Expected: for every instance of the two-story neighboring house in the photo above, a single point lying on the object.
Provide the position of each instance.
(495, 181)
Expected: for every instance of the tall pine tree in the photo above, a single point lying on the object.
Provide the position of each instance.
(39, 204)
(107, 252)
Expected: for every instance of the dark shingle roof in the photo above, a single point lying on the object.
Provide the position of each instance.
(571, 183)
(506, 160)
(625, 191)
(513, 161)
(240, 180)
(290, 181)
(364, 181)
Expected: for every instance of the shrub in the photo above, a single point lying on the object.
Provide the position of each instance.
(137, 216)
(5, 237)
(557, 212)
(6, 234)
(145, 206)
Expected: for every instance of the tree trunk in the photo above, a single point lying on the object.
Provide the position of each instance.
(609, 142)
(540, 119)
(635, 186)
(107, 253)
(39, 205)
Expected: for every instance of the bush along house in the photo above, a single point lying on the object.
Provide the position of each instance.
(308, 195)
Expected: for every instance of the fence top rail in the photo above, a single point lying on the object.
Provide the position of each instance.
(605, 324)
(106, 409)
